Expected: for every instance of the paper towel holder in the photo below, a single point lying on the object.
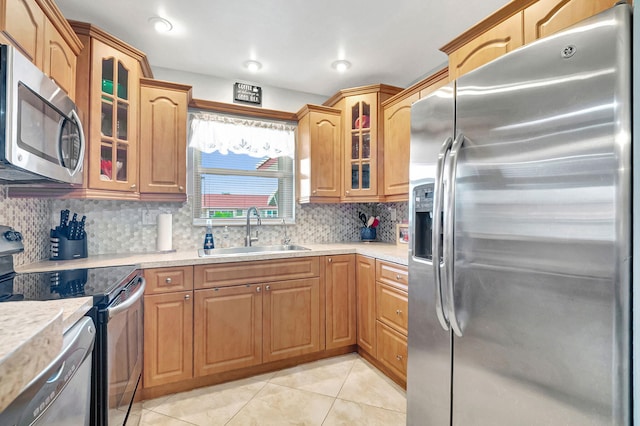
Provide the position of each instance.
(164, 243)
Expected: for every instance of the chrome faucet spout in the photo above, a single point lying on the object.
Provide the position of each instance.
(248, 239)
(286, 240)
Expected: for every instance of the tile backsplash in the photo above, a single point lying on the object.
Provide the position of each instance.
(116, 226)
(32, 217)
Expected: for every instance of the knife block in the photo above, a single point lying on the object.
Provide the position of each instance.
(63, 248)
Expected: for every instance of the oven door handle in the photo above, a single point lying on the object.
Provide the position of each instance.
(112, 312)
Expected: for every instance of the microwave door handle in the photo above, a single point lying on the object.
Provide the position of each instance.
(448, 245)
(438, 190)
(75, 117)
(112, 312)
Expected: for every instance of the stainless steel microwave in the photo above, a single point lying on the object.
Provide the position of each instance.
(41, 137)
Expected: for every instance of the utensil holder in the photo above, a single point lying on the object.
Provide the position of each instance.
(63, 248)
(367, 234)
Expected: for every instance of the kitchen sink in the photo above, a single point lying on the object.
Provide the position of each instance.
(249, 250)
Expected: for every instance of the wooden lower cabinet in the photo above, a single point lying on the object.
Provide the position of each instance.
(366, 303)
(227, 329)
(340, 287)
(168, 338)
(291, 319)
(392, 350)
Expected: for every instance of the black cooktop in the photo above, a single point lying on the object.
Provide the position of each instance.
(103, 284)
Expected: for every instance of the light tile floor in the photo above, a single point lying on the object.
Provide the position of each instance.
(344, 390)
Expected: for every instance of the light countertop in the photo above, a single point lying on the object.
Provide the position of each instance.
(31, 335)
(388, 252)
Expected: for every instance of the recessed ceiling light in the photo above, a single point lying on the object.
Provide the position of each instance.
(341, 65)
(161, 25)
(253, 66)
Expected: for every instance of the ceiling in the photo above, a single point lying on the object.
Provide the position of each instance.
(391, 42)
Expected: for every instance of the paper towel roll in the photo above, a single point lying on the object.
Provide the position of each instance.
(165, 232)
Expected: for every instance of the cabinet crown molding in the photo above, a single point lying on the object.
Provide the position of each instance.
(90, 30)
(361, 90)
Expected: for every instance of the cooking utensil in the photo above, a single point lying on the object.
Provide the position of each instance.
(370, 221)
(376, 222)
(363, 218)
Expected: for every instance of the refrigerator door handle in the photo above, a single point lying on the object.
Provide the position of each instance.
(437, 227)
(448, 244)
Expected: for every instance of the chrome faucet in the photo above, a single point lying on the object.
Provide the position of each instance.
(248, 239)
(286, 240)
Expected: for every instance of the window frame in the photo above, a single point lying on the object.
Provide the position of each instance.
(194, 198)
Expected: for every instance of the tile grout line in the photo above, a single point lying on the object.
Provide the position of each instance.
(171, 417)
(247, 403)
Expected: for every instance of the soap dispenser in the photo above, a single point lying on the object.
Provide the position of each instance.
(208, 238)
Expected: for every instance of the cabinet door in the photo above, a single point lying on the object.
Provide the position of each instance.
(397, 136)
(360, 154)
(392, 350)
(291, 318)
(366, 303)
(319, 156)
(113, 141)
(168, 338)
(546, 17)
(340, 287)
(59, 60)
(490, 45)
(163, 140)
(24, 24)
(228, 329)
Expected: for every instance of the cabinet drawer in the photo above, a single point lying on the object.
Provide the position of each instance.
(392, 273)
(226, 274)
(165, 280)
(391, 307)
(392, 350)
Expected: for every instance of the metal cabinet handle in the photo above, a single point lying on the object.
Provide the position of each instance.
(330, 260)
(399, 357)
(181, 188)
(187, 296)
(437, 229)
(398, 312)
(258, 289)
(398, 277)
(448, 248)
(346, 192)
(268, 287)
(168, 280)
(314, 191)
(133, 186)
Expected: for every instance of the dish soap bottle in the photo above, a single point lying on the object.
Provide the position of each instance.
(208, 238)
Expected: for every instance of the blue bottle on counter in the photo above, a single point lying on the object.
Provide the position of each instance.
(208, 238)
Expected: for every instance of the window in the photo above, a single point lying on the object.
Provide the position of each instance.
(238, 164)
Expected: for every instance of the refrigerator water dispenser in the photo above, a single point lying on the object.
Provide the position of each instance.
(423, 220)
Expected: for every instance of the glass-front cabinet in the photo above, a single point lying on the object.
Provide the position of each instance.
(114, 107)
(361, 145)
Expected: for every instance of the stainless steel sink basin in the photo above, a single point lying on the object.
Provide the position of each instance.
(249, 250)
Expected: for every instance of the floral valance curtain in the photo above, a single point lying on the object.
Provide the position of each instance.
(213, 132)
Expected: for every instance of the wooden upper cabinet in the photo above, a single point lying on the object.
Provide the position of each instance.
(340, 287)
(397, 138)
(493, 43)
(24, 24)
(163, 140)
(319, 154)
(549, 16)
(40, 32)
(59, 60)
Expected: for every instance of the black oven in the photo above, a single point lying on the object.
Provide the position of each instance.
(117, 313)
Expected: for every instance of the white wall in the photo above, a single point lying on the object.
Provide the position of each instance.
(635, 286)
(219, 89)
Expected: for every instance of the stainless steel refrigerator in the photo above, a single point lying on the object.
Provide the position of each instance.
(521, 198)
